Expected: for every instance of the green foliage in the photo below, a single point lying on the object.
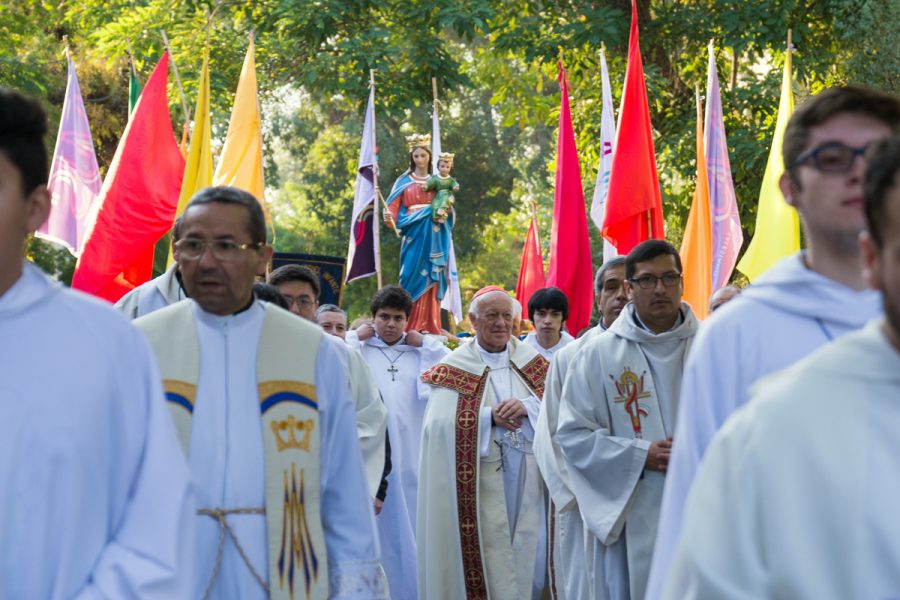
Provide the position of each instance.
(495, 62)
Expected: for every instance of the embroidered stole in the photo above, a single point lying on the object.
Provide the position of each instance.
(285, 371)
(470, 389)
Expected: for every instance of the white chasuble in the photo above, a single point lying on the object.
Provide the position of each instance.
(620, 395)
(265, 424)
(480, 531)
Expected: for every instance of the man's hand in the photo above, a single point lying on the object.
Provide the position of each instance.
(509, 413)
(658, 455)
(379, 504)
(365, 331)
(414, 338)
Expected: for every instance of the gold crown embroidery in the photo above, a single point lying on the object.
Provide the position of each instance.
(289, 426)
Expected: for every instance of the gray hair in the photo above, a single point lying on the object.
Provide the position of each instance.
(617, 261)
(475, 305)
(324, 308)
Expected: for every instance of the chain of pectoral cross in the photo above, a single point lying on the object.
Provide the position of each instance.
(392, 369)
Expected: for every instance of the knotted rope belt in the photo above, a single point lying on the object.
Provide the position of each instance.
(220, 514)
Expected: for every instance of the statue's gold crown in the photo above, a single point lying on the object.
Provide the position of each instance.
(419, 141)
(447, 157)
(292, 427)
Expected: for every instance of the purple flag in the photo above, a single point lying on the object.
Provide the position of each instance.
(361, 254)
(725, 219)
(74, 175)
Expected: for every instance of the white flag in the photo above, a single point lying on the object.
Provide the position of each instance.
(452, 301)
(361, 258)
(607, 136)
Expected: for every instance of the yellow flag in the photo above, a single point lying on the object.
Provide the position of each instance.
(198, 170)
(777, 224)
(696, 247)
(240, 164)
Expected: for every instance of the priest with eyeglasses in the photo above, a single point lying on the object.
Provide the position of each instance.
(617, 414)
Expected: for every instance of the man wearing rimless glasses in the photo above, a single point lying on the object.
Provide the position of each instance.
(801, 303)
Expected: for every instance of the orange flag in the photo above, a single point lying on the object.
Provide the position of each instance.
(531, 272)
(696, 247)
(634, 211)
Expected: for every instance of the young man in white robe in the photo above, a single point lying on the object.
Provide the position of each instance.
(262, 403)
(481, 530)
(548, 310)
(397, 360)
(800, 304)
(95, 497)
(617, 416)
(796, 496)
(572, 567)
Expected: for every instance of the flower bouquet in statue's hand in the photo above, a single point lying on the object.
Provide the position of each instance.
(444, 186)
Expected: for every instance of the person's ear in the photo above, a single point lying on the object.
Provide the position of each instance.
(869, 257)
(38, 208)
(265, 255)
(788, 188)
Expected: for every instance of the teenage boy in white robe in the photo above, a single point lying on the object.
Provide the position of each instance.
(548, 310)
(397, 360)
(95, 494)
(481, 529)
(617, 416)
(800, 304)
(262, 403)
(573, 567)
(796, 496)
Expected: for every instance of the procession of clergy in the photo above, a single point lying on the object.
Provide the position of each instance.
(220, 446)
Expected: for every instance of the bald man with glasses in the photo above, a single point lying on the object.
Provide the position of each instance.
(801, 303)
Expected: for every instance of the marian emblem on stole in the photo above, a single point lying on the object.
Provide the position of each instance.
(631, 389)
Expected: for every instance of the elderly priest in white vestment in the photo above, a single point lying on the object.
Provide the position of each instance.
(94, 491)
(617, 416)
(573, 565)
(261, 401)
(481, 503)
(797, 494)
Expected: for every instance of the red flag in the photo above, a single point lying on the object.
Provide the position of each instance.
(571, 269)
(531, 272)
(138, 199)
(633, 205)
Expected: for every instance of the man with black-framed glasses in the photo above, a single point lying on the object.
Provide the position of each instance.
(617, 415)
(800, 304)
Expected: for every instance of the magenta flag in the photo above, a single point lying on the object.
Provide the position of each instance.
(74, 175)
(725, 219)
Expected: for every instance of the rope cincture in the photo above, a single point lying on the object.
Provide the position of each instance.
(220, 514)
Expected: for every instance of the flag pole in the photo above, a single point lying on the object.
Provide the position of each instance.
(434, 94)
(184, 105)
(376, 208)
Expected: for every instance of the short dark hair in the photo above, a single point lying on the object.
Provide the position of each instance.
(23, 125)
(817, 109)
(648, 251)
(269, 293)
(618, 261)
(392, 296)
(288, 273)
(549, 298)
(882, 166)
(223, 194)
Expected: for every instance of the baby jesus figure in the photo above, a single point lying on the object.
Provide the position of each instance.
(444, 186)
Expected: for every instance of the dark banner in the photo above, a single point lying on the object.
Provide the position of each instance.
(330, 270)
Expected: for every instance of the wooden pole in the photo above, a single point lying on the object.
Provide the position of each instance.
(184, 104)
(376, 207)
